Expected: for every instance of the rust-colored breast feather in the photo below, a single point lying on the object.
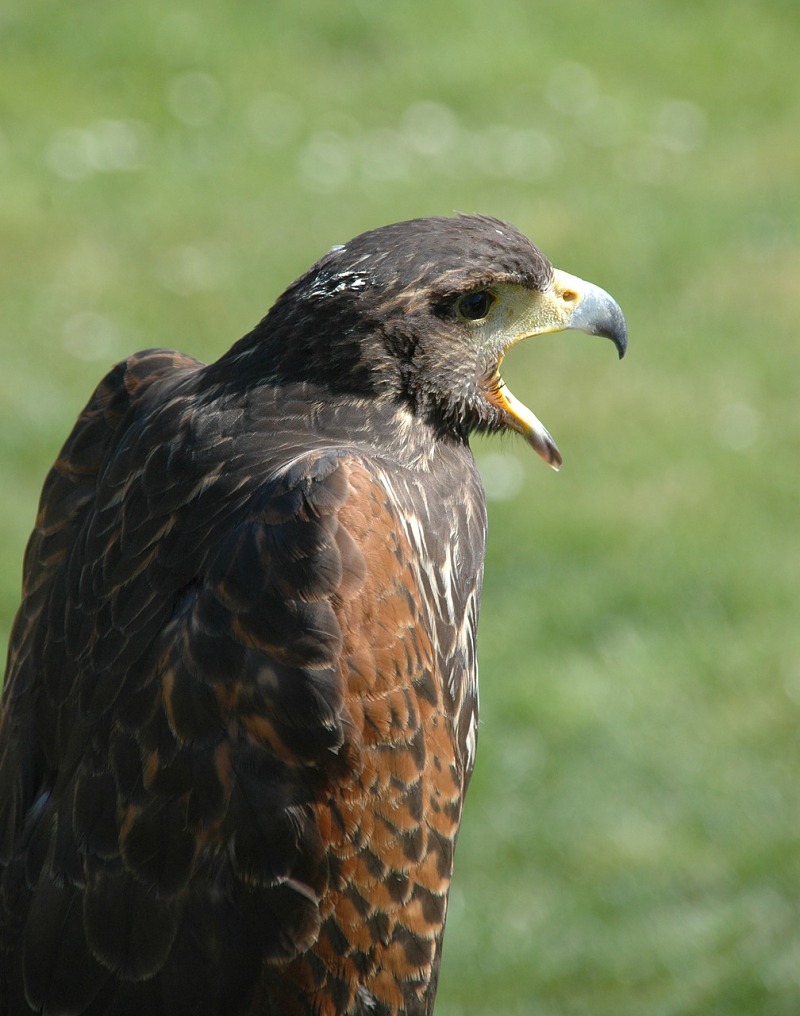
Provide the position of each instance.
(390, 832)
(230, 774)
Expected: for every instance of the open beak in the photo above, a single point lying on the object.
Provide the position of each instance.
(569, 303)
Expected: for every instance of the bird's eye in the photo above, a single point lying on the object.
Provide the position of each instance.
(475, 306)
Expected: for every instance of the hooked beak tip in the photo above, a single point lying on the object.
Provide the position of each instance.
(598, 313)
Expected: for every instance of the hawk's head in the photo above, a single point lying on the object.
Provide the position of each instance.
(424, 311)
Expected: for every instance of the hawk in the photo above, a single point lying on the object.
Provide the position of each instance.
(241, 702)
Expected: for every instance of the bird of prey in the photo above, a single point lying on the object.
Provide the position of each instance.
(240, 711)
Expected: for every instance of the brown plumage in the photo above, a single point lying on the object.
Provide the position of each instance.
(240, 710)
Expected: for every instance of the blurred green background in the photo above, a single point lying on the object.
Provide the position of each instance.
(630, 839)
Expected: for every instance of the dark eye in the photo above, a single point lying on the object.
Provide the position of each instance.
(474, 306)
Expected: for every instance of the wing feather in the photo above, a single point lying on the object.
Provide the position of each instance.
(226, 735)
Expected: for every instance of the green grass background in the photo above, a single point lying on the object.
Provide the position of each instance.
(630, 843)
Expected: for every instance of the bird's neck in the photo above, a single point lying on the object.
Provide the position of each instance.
(349, 392)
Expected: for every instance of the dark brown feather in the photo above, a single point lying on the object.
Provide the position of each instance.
(241, 703)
